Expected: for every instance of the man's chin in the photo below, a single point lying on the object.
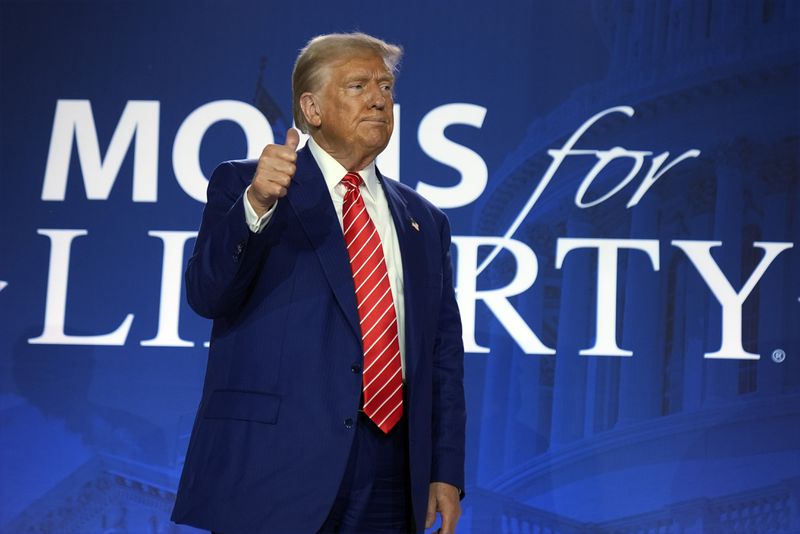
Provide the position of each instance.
(375, 143)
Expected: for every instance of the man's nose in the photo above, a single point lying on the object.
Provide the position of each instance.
(377, 98)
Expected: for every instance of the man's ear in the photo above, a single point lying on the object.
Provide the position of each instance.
(309, 104)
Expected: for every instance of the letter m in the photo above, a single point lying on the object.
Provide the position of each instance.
(74, 120)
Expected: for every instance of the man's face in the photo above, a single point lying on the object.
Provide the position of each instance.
(356, 108)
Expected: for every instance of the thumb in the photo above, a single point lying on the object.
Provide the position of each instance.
(430, 516)
(292, 138)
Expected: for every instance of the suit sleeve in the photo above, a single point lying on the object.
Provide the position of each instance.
(227, 255)
(449, 409)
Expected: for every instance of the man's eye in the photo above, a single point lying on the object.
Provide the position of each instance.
(356, 86)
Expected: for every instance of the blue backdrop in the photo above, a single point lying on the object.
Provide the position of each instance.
(622, 181)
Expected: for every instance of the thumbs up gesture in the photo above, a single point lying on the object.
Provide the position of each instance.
(274, 172)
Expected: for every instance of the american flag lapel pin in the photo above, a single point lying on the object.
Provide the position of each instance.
(415, 225)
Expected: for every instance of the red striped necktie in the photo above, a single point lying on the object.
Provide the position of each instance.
(382, 378)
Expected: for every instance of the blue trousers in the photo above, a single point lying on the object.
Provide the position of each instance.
(375, 494)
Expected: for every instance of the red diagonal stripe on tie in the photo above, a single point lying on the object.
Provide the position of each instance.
(382, 378)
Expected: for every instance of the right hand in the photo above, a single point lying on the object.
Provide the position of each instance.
(274, 172)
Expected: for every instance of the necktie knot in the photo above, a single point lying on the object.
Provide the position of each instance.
(352, 181)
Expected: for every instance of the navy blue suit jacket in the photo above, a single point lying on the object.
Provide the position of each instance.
(276, 420)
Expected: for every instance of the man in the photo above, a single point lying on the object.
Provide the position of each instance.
(333, 399)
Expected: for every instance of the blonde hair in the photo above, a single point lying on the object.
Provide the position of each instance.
(323, 50)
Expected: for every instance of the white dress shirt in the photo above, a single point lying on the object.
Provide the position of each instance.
(378, 209)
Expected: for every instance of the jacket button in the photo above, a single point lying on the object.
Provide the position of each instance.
(356, 368)
(348, 423)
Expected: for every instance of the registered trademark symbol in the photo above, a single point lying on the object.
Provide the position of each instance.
(778, 355)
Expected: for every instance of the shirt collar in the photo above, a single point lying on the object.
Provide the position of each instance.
(333, 171)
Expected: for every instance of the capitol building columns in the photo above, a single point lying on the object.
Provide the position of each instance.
(640, 374)
(692, 304)
(733, 164)
(515, 410)
(778, 177)
(495, 414)
(575, 317)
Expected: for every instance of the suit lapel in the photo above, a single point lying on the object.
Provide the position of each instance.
(412, 251)
(308, 195)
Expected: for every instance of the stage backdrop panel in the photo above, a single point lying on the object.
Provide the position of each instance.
(622, 182)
